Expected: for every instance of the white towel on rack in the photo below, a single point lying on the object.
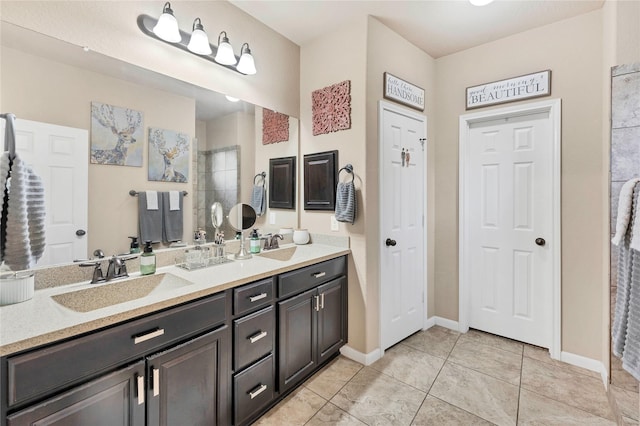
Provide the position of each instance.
(625, 200)
(152, 200)
(174, 200)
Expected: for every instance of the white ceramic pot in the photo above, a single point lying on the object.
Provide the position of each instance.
(284, 231)
(16, 287)
(301, 236)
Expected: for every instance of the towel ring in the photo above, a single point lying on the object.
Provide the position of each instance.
(349, 169)
(262, 175)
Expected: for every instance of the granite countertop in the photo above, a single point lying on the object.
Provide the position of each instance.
(41, 320)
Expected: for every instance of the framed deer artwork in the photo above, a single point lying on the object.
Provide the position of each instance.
(168, 155)
(116, 135)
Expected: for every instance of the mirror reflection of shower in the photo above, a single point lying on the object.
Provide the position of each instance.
(218, 182)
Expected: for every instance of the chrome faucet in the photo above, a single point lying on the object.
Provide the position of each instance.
(117, 267)
(272, 243)
(96, 262)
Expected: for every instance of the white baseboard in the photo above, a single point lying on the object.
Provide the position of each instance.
(357, 356)
(429, 322)
(586, 363)
(443, 322)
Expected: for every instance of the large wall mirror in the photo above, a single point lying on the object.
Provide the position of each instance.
(51, 81)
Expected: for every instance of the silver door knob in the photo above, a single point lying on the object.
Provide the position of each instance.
(540, 241)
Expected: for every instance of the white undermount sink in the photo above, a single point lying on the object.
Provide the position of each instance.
(113, 293)
(283, 254)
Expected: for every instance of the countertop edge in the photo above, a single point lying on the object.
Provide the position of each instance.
(114, 319)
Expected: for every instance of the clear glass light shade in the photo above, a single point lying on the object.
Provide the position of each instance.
(199, 43)
(225, 55)
(231, 98)
(246, 64)
(167, 27)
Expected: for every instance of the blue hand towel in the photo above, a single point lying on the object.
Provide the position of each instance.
(346, 202)
(149, 221)
(258, 199)
(172, 219)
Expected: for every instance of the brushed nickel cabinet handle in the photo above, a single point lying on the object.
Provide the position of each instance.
(319, 274)
(317, 300)
(148, 336)
(140, 390)
(156, 382)
(258, 336)
(322, 301)
(257, 297)
(257, 391)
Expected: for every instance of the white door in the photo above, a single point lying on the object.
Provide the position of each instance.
(60, 156)
(509, 214)
(402, 238)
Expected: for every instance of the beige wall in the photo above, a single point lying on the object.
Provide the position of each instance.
(323, 62)
(372, 49)
(109, 27)
(263, 153)
(572, 49)
(39, 89)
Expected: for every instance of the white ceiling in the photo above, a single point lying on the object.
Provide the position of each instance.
(438, 27)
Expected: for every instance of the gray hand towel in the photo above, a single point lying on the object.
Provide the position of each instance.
(346, 202)
(258, 199)
(149, 221)
(172, 219)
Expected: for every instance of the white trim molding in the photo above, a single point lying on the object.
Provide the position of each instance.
(553, 108)
(362, 358)
(586, 363)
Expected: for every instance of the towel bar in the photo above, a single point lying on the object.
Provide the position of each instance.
(134, 193)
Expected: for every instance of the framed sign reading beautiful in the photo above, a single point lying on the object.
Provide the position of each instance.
(398, 90)
(510, 90)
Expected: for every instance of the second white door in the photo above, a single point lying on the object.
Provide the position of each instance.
(509, 208)
(402, 255)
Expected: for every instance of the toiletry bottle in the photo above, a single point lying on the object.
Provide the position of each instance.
(255, 242)
(135, 247)
(148, 260)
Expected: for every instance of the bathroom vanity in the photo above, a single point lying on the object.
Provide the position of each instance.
(219, 353)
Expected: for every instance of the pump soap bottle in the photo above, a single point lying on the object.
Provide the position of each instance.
(135, 247)
(254, 244)
(148, 260)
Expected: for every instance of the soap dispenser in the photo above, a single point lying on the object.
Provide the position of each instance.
(135, 247)
(148, 260)
(254, 245)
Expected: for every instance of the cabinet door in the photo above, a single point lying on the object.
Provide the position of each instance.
(114, 399)
(189, 384)
(297, 344)
(332, 331)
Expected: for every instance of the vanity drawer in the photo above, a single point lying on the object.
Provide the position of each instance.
(252, 296)
(43, 371)
(253, 337)
(303, 279)
(253, 389)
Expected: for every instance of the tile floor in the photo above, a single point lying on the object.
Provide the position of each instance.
(441, 377)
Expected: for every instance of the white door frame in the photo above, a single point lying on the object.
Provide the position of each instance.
(553, 108)
(389, 106)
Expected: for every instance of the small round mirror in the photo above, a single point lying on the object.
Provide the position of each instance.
(241, 215)
(216, 215)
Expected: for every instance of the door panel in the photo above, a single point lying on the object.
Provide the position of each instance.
(402, 269)
(509, 182)
(331, 330)
(59, 155)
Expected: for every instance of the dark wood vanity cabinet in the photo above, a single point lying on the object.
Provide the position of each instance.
(220, 360)
(167, 366)
(312, 326)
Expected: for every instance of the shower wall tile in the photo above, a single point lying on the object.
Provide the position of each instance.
(231, 160)
(625, 107)
(625, 69)
(625, 152)
(616, 186)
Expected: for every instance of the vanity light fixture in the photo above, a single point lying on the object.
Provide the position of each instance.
(199, 42)
(167, 26)
(225, 55)
(231, 98)
(246, 65)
